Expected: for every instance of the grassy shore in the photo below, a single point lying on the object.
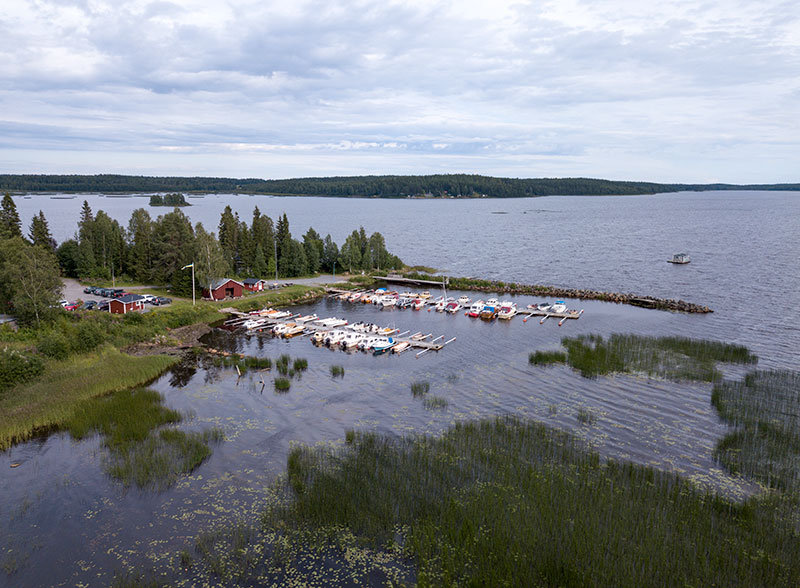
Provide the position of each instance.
(81, 356)
(51, 400)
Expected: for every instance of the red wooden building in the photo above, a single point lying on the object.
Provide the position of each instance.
(126, 304)
(224, 288)
(253, 284)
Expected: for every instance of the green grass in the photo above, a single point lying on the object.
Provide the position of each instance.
(420, 388)
(300, 365)
(585, 416)
(337, 371)
(675, 358)
(282, 384)
(765, 408)
(52, 399)
(138, 454)
(510, 503)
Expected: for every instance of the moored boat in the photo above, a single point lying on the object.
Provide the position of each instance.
(680, 258)
(453, 307)
(507, 310)
(463, 300)
(488, 312)
(475, 310)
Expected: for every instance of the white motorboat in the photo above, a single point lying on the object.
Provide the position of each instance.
(282, 328)
(306, 319)
(388, 300)
(418, 304)
(463, 300)
(280, 314)
(453, 307)
(507, 310)
(319, 336)
(475, 310)
(559, 307)
(492, 302)
(294, 331)
(253, 323)
(335, 337)
(351, 340)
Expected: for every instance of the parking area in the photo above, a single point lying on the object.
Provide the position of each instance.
(73, 291)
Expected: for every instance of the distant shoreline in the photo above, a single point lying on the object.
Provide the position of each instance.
(446, 186)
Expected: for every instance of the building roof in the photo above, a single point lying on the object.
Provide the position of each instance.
(128, 298)
(217, 283)
(252, 280)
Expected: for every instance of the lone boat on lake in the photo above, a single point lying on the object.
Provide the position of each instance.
(680, 258)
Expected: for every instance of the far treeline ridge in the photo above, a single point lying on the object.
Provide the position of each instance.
(446, 185)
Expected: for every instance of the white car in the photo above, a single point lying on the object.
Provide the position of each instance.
(148, 298)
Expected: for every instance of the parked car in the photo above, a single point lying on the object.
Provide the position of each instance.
(148, 298)
(71, 306)
(90, 290)
(89, 304)
(102, 305)
(118, 292)
(161, 300)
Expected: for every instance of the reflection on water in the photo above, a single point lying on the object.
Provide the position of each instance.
(59, 493)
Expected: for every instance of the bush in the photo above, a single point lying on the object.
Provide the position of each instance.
(17, 367)
(89, 334)
(55, 345)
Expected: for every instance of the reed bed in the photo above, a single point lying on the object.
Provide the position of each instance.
(765, 408)
(282, 384)
(337, 371)
(52, 399)
(137, 453)
(243, 362)
(547, 357)
(420, 388)
(675, 358)
(505, 502)
(432, 402)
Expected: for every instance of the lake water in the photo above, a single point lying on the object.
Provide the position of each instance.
(65, 522)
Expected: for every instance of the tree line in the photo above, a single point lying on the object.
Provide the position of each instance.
(158, 250)
(442, 185)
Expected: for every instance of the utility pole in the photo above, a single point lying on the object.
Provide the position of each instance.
(191, 265)
(275, 246)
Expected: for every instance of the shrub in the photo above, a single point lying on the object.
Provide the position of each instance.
(55, 345)
(17, 367)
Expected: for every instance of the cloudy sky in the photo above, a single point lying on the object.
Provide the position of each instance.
(688, 91)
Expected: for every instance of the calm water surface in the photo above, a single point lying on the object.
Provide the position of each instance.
(65, 522)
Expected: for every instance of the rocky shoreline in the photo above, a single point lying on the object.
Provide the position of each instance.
(581, 294)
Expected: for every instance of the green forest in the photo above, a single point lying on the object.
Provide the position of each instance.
(434, 186)
(156, 250)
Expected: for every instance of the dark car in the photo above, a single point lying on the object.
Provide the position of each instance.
(89, 304)
(118, 292)
(90, 290)
(104, 292)
(102, 305)
(161, 300)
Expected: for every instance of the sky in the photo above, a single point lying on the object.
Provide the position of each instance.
(671, 91)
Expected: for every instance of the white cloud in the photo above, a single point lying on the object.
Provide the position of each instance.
(678, 91)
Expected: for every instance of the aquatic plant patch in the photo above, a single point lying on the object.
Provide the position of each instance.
(765, 408)
(675, 358)
(139, 454)
(513, 503)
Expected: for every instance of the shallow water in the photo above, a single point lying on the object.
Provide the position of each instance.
(66, 523)
(60, 492)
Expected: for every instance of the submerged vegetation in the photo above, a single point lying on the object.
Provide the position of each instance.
(501, 502)
(137, 453)
(337, 371)
(676, 358)
(420, 388)
(765, 408)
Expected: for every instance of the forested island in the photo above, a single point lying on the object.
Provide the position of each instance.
(429, 186)
(174, 199)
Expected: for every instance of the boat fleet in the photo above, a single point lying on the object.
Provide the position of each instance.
(333, 332)
(488, 310)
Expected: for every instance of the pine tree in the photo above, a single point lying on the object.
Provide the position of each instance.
(10, 225)
(40, 232)
(259, 263)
